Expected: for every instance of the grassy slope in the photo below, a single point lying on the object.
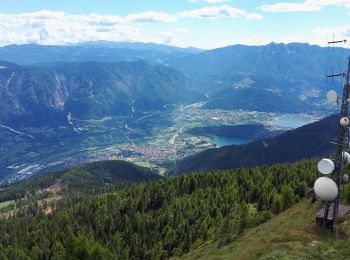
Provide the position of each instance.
(291, 235)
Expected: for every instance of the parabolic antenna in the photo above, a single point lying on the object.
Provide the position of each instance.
(332, 96)
(344, 121)
(326, 189)
(346, 158)
(325, 166)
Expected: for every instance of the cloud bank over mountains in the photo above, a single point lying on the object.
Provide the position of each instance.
(183, 28)
(306, 6)
(55, 27)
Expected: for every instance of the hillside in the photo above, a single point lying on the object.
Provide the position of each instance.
(304, 142)
(275, 77)
(46, 94)
(286, 78)
(156, 220)
(88, 179)
(235, 214)
(291, 235)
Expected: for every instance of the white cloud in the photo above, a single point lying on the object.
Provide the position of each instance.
(52, 27)
(219, 12)
(48, 27)
(323, 35)
(306, 6)
(151, 16)
(169, 38)
(253, 16)
(183, 31)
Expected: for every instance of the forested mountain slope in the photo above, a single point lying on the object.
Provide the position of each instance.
(157, 220)
(88, 179)
(48, 93)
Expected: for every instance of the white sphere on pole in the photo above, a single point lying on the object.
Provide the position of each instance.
(344, 121)
(325, 166)
(346, 158)
(332, 96)
(326, 189)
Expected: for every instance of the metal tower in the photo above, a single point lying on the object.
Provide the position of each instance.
(331, 207)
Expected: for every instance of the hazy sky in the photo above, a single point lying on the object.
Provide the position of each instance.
(199, 23)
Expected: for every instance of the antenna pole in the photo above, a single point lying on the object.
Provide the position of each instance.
(339, 169)
(331, 207)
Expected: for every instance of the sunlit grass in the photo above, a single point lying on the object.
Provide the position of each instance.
(293, 234)
(6, 204)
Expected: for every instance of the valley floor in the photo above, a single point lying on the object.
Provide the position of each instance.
(154, 139)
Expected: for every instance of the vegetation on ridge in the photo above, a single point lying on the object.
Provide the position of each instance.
(157, 220)
(293, 234)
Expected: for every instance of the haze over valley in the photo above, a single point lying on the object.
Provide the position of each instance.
(87, 106)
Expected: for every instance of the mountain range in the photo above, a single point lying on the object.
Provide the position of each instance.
(288, 78)
(274, 77)
(47, 93)
(52, 85)
(99, 51)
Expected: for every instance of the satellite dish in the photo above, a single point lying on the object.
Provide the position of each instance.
(346, 158)
(326, 189)
(344, 121)
(345, 178)
(332, 96)
(325, 166)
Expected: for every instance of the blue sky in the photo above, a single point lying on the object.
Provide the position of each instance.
(200, 23)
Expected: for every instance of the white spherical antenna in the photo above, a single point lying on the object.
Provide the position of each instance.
(332, 96)
(325, 166)
(326, 189)
(346, 158)
(345, 178)
(344, 121)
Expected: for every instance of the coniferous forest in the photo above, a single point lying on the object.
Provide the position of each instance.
(154, 220)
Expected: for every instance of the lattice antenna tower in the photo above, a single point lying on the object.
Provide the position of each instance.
(328, 188)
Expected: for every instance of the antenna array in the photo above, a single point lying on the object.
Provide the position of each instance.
(328, 189)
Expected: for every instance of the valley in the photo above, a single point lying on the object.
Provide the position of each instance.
(154, 139)
(152, 109)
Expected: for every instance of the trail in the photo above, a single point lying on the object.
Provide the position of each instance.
(15, 131)
(69, 118)
(173, 138)
(132, 130)
(147, 116)
(127, 137)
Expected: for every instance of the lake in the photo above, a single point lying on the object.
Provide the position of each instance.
(223, 141)
(291, 122)
(284, 121)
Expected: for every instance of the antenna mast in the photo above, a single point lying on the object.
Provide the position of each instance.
(330, 210)
(343, 132)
